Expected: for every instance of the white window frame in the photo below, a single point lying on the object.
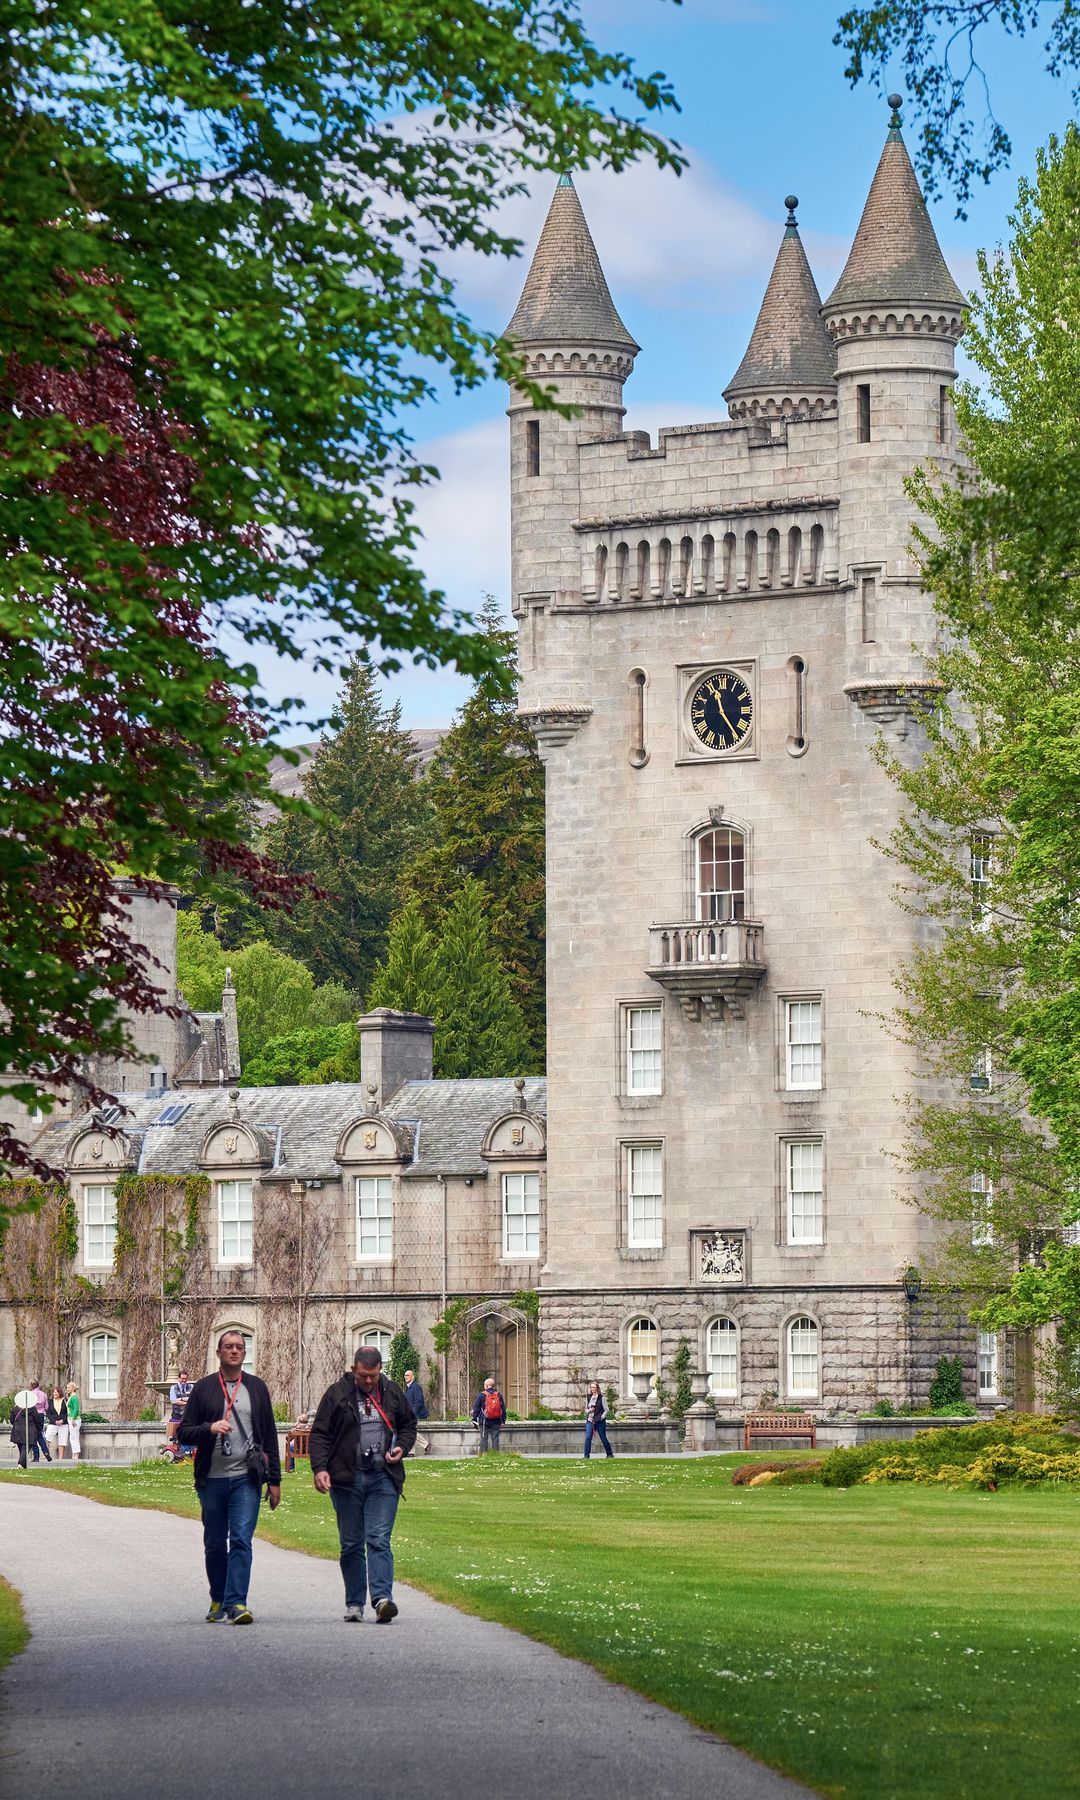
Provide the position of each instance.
(801, 1080)
(521, 1214)
(981, 877)
(638, 1329)
(104, 1197)
(798, 1384)
(112, 1364)
(644, 1034)
(714, 905)
(237, 1209)
(645, 1196)
(981, 1189)
(725, 1349)
(803, 1223)
(981, 1078)
(374, 1337)
(381, 1192)
(988, 1365)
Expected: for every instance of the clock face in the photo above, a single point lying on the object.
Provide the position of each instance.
(721, 711)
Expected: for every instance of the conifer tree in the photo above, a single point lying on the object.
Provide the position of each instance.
(486, 791)
(479, 1030)
(990, 845)
(407, 979)
(370, 820)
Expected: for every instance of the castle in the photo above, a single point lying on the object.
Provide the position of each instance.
(713, 634)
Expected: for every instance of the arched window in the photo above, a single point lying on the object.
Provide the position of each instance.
(104, 1380)
(722, 1357)
(642, 1351)
(721, 874)
(375, 1337)
(803, 1357)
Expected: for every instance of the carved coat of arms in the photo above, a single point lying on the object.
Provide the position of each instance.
(723, 1257)
(371, 1139)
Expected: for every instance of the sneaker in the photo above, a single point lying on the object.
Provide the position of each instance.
(385, 1610)
(353, 1615)
(216, 1615)
(240, 1615)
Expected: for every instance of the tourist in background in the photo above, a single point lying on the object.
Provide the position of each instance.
(363, 1429)
(74, 1413)
(489, 1415)
(595, 1417)
(414, 1394)
(56, 1422)
(179, 1394)
(229, 1419)
(38, 1444)
(22, 1432)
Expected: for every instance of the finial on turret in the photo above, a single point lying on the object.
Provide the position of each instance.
(896, 101)
(791, 202)
(566, 179)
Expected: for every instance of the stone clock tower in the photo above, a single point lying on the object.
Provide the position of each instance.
(714, 629)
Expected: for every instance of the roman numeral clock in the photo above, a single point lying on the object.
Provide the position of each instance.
(718, 711)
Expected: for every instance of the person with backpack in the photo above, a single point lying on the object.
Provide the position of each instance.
(595, 1417)
(489, 1414)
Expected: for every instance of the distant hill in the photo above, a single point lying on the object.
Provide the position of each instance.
(285, 777)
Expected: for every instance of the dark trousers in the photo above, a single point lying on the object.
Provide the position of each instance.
(230, 1513)
(365, 1519)
(601, 1431)
(37, 1438)
(489, 1433)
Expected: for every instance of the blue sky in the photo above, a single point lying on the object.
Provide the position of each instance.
(765, 111)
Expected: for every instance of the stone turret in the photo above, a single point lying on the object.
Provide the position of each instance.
(789, 367)
(894, 318)
(575, 342)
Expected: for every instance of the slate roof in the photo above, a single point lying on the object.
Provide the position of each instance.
(565, 297)
(789, 348)
(445, 1123)
(895, 255)
(453, 1118)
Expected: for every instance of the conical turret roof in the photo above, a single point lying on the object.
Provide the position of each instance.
(896, 255)
(565, 298)
(789, 351)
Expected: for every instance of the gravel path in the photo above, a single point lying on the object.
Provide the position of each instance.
(124, 1692)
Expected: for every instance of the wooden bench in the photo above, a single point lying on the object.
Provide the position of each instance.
(297, 1443)
(780, 1424)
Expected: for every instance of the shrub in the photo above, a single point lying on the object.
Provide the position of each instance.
(883, 1409)
(93, 1418)
(947, 1387)
(149, 1415)
(744, 1474)
(7, 1406)
(401, 1355)
(800, 1474)
(282, 1412)
(1012, 1447)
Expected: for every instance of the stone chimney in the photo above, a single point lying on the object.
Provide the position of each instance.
(395, 1047)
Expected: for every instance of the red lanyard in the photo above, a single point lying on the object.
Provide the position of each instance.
(230, 1399)
(380, 1412)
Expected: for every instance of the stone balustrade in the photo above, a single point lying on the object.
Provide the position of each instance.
(708, 964)
(709, 558)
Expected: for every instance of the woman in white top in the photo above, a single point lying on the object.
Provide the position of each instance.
(56, 1423)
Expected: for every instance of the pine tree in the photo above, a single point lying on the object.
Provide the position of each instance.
(479, 1030)
(407, 979)
(486, 790)
(372, 821)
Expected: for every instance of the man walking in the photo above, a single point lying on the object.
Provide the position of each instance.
(489, 1413)
(230, 1421)
(414, 1394)
(179, 1394)
(363, 1428)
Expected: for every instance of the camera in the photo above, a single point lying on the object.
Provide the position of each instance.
(226, 1444)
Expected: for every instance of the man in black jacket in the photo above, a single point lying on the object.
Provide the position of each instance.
(362, 1430)
(230, 1421)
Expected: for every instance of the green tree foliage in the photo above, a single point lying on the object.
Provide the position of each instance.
(486, 790)
(479, 1030)
(947, 1387)
(408, 979)
(990, 845)
(367, 817)
(937, 45)
(402, 1355)
(275, 994)
(223, 233)
(299, 1057)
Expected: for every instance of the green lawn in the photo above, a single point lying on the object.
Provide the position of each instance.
(879, 1642)
(13, 1632)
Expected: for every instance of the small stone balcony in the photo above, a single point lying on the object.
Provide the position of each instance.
(709, 967)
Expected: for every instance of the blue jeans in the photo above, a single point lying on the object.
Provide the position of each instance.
(365, 1519)
(230, 1513)
(601, 1431)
